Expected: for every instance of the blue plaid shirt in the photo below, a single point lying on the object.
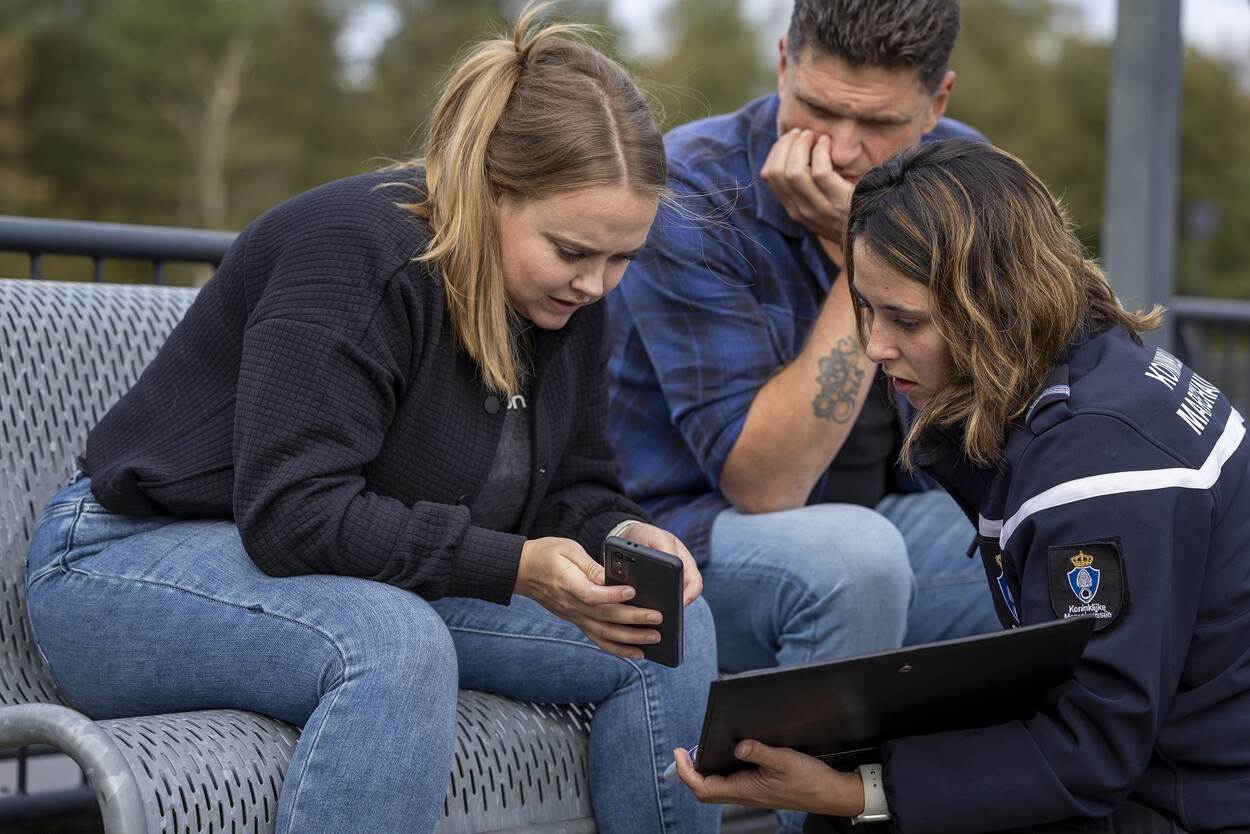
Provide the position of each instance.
(715, 305)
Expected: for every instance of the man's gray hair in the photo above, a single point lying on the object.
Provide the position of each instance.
(891, 34)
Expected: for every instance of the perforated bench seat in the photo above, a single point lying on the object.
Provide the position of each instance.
(67, 352)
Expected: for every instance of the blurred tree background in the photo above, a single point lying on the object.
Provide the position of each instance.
(205, 112)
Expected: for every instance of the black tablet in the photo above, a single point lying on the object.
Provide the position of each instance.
(843, 710)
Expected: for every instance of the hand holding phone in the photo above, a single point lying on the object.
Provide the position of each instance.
(658, 580)
(558, 574)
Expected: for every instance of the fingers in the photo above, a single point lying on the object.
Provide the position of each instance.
(775, 162)
(591, 568)
(736, 789)
(829, 181)
(559, 574)
(798, 160)
(836, 191)
(790, 171)
(810, 203)
(799, 169)
(651, 536)
(590, 595)
(586, 583)
(780, 168)
(686, 772)
(692, 579)
(630, 615)
(623, 625)
(625, 636)
(760, 754)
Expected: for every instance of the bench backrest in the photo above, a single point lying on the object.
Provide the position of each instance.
(68, 351)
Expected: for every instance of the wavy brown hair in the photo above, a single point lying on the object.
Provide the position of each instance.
(530, 115)
(1010, 285)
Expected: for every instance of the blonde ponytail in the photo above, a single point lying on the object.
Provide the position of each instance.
(544, 88)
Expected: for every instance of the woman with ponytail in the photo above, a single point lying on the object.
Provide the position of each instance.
(370, 466)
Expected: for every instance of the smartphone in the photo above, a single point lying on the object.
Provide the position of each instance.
(656, 577)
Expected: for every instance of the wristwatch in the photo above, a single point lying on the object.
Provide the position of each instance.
(875, 807)
(622, 527)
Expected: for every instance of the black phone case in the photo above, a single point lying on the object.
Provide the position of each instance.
(657, 578)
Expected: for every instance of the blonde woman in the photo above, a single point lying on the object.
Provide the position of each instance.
(1106, 479)
(392, 393)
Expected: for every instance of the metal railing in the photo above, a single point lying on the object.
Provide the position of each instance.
(1210, 335)
(158, 245)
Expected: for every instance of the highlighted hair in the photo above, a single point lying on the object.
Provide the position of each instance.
(531, 115)
(1010, 285)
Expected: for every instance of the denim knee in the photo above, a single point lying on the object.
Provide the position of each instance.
(699, 639)
(847, 546)
(396, 638)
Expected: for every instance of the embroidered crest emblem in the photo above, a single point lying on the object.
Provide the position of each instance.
(1087, 579)
(1005, 590)
(1083, 578)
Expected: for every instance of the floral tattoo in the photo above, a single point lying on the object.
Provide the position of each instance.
(840, 379)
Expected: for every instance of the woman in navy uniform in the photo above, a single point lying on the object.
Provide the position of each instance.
(1105, 479)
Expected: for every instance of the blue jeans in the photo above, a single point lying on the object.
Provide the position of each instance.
(644, 709)
(141, 616)
(837, 580)
(952, 597)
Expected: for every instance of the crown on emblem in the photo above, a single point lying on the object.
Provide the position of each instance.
(1082, 559)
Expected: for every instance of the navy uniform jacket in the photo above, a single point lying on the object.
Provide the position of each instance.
(1124, 495)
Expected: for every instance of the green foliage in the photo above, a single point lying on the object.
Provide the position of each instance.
(714, 62)
(196, 113)
(206, 112)
(1041, 96)
(1038, 87)
(430, 36)
(22, 191)
(1215, 179)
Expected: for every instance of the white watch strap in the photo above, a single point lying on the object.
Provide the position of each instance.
(623, 526)
(875, 807)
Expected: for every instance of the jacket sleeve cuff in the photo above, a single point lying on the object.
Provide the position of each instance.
(486, 565)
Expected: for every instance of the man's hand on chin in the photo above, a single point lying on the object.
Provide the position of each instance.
(799, 170)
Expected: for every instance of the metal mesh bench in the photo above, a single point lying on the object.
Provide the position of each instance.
(67, 352)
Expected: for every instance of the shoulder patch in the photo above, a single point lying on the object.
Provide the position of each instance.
(1088, 579)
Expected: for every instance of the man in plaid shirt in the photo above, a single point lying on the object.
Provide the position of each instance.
(746, 416)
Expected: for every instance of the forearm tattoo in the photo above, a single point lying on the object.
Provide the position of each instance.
(840, 378)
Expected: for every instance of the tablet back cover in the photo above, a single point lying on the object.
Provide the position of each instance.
(843, 710)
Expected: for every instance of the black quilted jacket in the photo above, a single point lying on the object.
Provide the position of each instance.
(315, 395)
